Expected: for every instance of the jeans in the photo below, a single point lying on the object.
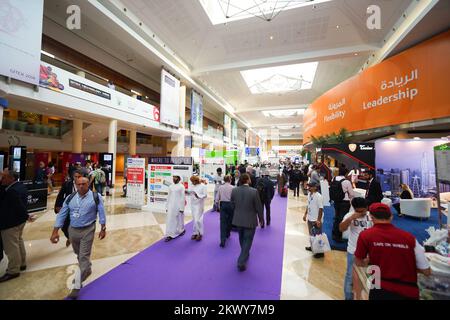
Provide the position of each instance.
(340, 210)
(226, 217)
(348, 282)
(245, 240)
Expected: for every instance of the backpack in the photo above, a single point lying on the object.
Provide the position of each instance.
(94, 193)
(261, 190)
(100, 177)
(336, 192)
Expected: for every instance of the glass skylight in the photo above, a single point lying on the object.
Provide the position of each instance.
(285, 78)
(223, 11)
(283, 113)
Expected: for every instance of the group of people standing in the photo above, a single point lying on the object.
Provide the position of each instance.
(241, 207)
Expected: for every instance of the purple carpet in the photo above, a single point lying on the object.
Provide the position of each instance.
(188, 270)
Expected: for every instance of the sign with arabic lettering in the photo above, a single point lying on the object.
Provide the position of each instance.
(411, 86)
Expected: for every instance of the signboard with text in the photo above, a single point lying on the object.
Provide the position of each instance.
(135, 182)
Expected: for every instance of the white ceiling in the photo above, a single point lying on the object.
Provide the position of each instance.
(334, 34)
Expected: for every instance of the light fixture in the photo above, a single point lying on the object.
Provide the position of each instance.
(391, 138)
(271, 37)
(356, 54)
(283, 113)
(337, 27)
(136, 93)
(416, 138)
(223, 11)
(48, 54)
(285, 78)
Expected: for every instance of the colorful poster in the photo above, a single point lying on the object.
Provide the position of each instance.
(210, 163)
(196, 113)
(135, 182)
(170, 99)
(20, 40)
(161, 171)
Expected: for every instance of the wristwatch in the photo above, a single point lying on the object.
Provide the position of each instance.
(103, 228)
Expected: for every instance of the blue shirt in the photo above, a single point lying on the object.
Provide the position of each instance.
(82, 211)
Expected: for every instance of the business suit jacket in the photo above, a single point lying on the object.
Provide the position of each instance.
(65, 191)
(374, 192)
(247, 207)
(13, 206)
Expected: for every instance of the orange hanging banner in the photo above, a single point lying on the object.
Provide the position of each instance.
(411, 86)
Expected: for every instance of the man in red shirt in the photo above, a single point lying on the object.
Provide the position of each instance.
(395, 252)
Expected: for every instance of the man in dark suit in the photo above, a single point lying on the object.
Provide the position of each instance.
(266, 190)
(13, 216)
(66, 190)
(374, 192)
(247, 211)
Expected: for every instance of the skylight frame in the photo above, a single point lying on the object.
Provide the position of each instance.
(281, 79)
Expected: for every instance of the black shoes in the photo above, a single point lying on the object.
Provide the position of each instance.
(8, 277)
(242, 268)
(168, 239)
(308, 249)
(319, 255)
(23, 268)
(222, 245)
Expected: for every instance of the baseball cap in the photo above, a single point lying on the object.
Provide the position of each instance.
(380, 210)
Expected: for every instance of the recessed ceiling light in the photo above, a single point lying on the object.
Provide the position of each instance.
(271, 37)
(416, 138)
(283, 113)
(356, 54)
(391, 138)
(337, 27)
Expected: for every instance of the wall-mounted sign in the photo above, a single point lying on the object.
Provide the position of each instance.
(411, 86)
(196, 113)
(86, 88)
(170, 99)
(20, 40)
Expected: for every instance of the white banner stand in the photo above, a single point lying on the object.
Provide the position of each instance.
(135, 183)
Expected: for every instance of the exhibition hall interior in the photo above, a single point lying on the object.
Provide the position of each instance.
(227, 150)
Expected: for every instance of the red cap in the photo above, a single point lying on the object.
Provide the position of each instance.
(379, 207)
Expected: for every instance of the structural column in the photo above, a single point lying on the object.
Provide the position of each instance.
(133, 137)
(112, 146)
(77, 136)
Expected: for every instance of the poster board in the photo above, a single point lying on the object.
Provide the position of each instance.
(170, 99)
(442, 166)
(196, 113)
(135, 183)
(209, 166)
(160, 177)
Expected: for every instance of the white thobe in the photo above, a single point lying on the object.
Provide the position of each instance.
(175, 210)
(198, 207)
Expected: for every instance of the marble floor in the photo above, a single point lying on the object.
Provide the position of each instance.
(51, 267)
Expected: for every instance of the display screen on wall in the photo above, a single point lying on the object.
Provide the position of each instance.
(442, 156)
(20, 41)
(234, 131)
(226, 128)
(407, 161)
(196, 113)
(170, 99)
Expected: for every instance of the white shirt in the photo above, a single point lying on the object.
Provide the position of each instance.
(356, 227)
(315, 202)
(421, 259)
(354, 174)
(347, 188)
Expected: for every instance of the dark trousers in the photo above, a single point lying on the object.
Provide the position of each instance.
(226, 217)
(296, 188)
(381, 294)
(267, 206)
(397, 207)
(1, 248)
(245, 240)
(65, 228)
(340, 210)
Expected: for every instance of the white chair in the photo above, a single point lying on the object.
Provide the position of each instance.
(387, 201)
(420, 208)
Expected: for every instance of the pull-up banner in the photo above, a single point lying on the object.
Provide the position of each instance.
(411, 86)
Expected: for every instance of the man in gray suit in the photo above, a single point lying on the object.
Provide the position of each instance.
(247, 211)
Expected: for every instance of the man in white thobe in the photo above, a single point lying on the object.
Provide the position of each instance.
(175, 210)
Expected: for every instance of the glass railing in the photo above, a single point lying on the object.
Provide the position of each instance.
(49, 131)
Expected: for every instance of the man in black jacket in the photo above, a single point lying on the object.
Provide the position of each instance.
(266, 189)
(66, 190)
(374, 192)
(13, 216)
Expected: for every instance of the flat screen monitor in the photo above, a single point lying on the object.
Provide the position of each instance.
(17, 153)
(107, 157)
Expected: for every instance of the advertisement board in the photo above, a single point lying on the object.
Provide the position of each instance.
(234, 131)
(411, 86)
(170, 99)
(196, 113)
(135, 182)
(59, 80)
(161, 171)
(226, 128)
(20, 41)
(210, 162)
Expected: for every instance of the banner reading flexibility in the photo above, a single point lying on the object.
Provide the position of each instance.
(135, 182)
(20, 39)
(411, 86)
